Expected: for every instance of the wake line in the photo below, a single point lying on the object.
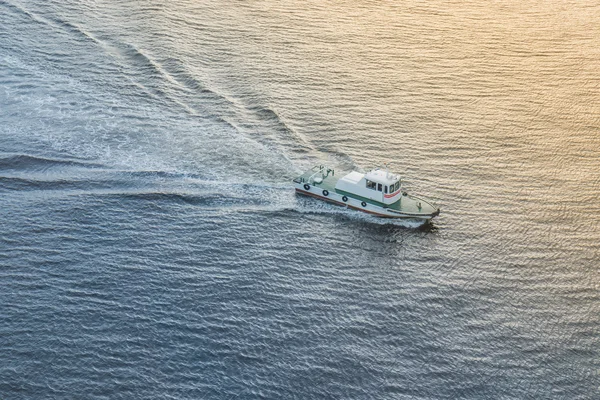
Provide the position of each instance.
(28, 162)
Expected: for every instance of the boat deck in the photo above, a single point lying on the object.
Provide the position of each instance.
(406, 204)
(328, 183)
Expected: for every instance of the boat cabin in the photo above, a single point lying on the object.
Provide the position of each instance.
(377, 185)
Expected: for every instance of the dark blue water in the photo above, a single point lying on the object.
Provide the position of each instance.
(152, 246)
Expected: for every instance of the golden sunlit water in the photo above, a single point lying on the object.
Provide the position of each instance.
(152, 246)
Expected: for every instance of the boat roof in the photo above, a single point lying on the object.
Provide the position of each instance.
(353, 177)
(381, 176)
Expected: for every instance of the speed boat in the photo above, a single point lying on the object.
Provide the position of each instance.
(376, 192)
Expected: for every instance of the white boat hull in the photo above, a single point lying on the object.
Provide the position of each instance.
(357, 204)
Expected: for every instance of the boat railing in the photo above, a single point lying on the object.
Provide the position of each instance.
(323, 170)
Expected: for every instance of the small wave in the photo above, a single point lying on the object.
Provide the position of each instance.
(155, 80)
(211, 200)
(52, 21)
(289, 137)
(140, 60)
(56, 185)
(267, 114)
(178, 73)
(73, 29)
(29, 162)
(13, 183)
(164, 174)
(20, 10)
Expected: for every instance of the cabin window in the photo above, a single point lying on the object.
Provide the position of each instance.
(370, 185)
(385, 189)
(379, 188)
(397, 186)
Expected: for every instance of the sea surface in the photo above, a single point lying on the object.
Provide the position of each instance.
(152, 245)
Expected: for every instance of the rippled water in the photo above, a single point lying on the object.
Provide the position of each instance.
(152, 246)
